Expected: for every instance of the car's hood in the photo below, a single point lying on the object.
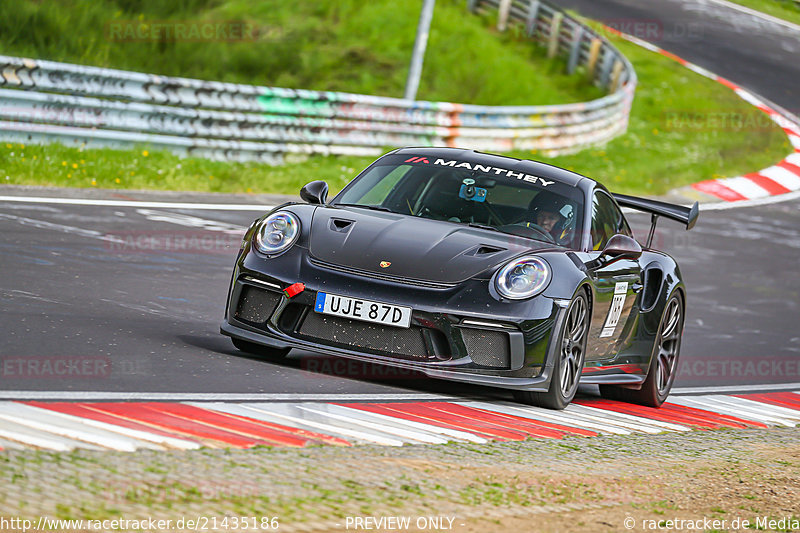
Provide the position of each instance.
(409, 247)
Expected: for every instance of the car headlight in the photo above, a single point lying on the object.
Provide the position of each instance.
(276, 233)
(523, 278)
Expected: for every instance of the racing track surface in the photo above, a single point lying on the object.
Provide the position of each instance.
(132, 319)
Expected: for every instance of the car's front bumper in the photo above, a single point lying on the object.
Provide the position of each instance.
(457, 333)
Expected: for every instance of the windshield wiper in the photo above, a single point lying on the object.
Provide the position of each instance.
(373, 207)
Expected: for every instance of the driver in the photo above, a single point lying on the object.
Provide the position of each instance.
(547, 210)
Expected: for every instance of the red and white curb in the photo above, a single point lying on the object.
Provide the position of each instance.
(130, 426)
(781, 178)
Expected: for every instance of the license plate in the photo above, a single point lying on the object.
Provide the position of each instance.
(366, 310)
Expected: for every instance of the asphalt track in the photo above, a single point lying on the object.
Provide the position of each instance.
(97, 298)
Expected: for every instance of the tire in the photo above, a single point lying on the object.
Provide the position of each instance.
(663, 362)
(569, 357)
(259, 349)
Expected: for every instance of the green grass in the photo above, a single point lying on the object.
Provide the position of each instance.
(654, 156)
(330, 45)
(784, 9)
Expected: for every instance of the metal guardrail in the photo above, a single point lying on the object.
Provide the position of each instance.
(45, 101)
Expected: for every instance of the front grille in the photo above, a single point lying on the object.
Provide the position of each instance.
(406, 343)
(487, 347)
(256, 305)
(384, 277)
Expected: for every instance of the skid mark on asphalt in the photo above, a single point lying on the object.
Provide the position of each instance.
(191, 221)
(130, 426)
(62, 228)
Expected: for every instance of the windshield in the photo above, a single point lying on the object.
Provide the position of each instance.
(471, 194)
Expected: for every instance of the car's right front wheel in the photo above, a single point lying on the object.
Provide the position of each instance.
(568, 360)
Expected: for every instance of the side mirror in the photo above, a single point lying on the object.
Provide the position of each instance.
(618, 247)
(315, 192)
(622, 247)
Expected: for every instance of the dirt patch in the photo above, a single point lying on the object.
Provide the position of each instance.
(707, 479)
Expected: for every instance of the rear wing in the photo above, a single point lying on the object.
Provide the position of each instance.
(679, 213)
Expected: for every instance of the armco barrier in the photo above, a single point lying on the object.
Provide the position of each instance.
(45, 101)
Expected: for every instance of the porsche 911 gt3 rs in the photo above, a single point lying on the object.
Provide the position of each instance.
(471, 267)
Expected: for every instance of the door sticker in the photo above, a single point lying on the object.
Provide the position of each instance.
(620, 293)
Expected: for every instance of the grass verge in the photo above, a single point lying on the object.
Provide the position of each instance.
(783, 9)
(683, 128)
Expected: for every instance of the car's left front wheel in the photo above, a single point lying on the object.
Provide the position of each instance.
(259, 349)
(568, 361)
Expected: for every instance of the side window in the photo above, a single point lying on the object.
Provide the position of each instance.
(607, 220)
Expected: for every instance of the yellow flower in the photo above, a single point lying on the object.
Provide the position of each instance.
(117, 180)
(8, 145)
(131, 172)
(249, 190)
(211, 177)
(145, 153)
(94, 182)
(655, 131)
(69, 175)
(63, 163)
(74, 165)
(83, 162)
(34, 158)
(22, 146)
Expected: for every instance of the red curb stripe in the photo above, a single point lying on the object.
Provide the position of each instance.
(727, 83)
(785, 399)
(425, 414)
(283, 435)
(728, 420)
(794, 169)
(429, 411)
(715, 188)
(768, 401)
(381, 410)
(143, 412)
(768, 184)
(558, 427)
(672, 56)
(652, 413)
(86, 411)
(533, 427)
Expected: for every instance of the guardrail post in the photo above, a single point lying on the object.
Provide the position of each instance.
(472, 5)
(615, 75)
(575, 52)
(594, 53)
(533, 16)
(502, 14)
(555, 29)
(605, 69)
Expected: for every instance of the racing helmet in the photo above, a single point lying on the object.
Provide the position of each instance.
(547, 201)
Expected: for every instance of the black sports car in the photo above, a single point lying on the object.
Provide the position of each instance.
(471, 267)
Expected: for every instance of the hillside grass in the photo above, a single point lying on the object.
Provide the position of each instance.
(662, 149)
(327, 45)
